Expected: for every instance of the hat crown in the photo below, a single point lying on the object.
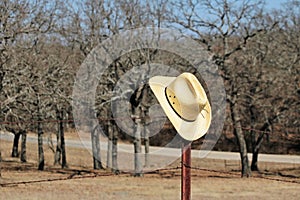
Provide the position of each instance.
(185, 103)
(185, 97)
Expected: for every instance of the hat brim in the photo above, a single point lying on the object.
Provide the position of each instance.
(189, 130)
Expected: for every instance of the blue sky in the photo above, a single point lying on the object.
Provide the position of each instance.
(271, 4)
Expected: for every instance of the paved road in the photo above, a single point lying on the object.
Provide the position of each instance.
(171, 151)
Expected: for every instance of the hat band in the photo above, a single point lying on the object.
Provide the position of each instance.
(166, 95)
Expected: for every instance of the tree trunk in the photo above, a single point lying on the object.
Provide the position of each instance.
(254, 166)
(2, 73)
(62, 139)
(115, 152)
(137, 101)
(23, 147)
(15, 149)
(246, 172)
(41, 160)
(109, 145)
(257, 144)
(147, 144)
(96, 148)
(57, 156)
(60, 153)
(0, 162)
(138, 149)
(254, 163)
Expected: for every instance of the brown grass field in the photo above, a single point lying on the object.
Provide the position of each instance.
(212, 179)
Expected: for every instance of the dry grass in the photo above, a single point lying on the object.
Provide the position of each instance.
(213, 179)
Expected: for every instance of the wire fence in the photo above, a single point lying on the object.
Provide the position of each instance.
(83, 174)
(87, 174)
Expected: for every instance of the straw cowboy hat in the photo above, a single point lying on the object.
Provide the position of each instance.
(185, 103)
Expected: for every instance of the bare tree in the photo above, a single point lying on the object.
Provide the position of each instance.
(88, 24)
(93, 22)
(60, 153)
(42, 45)
(225, 27)
(26, 87)
(263, 76)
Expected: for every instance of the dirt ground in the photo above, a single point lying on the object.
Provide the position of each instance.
(211, 179)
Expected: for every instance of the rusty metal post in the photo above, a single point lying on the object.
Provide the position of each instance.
(186, 172)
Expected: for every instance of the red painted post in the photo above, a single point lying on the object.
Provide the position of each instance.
(186, 172)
